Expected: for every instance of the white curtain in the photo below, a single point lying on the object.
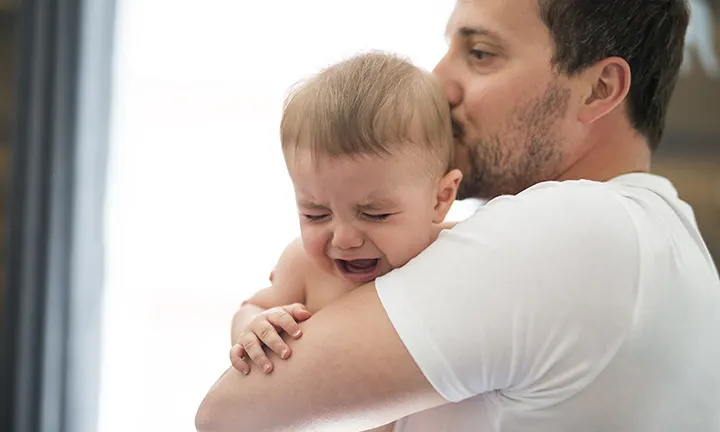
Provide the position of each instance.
(199, 203)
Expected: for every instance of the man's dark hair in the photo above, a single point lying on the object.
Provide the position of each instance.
(648, 34)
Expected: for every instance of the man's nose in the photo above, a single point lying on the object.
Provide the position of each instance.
(444, 72)
(346, 237)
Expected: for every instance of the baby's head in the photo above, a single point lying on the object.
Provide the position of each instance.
(368, 145)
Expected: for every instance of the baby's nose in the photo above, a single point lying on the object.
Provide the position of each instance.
(346, 237)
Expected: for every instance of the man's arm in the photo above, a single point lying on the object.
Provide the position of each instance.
(310, 391)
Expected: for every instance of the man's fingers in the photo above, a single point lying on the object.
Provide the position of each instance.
(237, 352)
(253, 348)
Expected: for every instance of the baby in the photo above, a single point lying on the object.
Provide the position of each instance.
(368, 146)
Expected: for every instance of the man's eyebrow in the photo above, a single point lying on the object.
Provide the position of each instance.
(467, 32)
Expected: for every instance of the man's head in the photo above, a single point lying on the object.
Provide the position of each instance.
(541, 88)
(368, 146)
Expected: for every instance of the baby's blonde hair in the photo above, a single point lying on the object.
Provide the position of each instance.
(370, 104)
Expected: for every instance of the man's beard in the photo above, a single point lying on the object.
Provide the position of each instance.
(524, 152)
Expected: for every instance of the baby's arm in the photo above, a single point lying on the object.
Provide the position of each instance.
(289, 279)
(288, 287)
(279, 306)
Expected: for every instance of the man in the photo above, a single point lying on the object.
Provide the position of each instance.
(584, 301)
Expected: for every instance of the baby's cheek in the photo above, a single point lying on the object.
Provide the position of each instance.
(409, 246)
(315, 246)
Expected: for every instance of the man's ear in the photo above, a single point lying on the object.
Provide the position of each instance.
(607, 83)
(446, 193)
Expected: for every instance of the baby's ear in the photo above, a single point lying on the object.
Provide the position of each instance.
(446, 193)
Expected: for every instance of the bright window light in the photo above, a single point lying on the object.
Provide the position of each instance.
(199, 203)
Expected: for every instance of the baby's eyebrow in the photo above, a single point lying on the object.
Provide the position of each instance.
(310, 205)
(375, 205)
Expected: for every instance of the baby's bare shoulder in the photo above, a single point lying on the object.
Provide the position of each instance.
(324, 287)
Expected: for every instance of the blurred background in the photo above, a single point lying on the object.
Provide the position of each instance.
(143, 195)
(7, 44)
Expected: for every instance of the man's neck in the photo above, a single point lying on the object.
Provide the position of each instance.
(615, 153)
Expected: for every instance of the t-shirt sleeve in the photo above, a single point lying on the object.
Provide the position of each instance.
(534, 292)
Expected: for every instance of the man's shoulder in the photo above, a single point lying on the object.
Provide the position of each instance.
(569, 226)
(570, 192)
(554, 208)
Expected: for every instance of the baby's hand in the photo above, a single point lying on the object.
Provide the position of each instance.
(263, 330)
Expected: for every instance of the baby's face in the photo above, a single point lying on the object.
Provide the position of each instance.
(360, 217)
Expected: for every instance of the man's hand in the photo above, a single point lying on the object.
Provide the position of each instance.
(263, 330)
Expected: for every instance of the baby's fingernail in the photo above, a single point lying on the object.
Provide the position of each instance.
(267, 368)
(297, 333)
(285, 354)
(246, 371)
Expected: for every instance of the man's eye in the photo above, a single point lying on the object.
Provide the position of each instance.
(378, 217)
(481, 55)
(315, 218)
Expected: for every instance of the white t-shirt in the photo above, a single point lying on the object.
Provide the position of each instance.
(573, 306)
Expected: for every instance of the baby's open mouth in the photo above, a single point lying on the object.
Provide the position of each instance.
(359, 269)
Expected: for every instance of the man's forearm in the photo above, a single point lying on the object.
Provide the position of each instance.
(349, 372)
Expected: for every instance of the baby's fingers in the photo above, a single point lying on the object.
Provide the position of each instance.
(268, 334)
(284, 320)
(253, 348)
(298, 311)
(237, 354)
